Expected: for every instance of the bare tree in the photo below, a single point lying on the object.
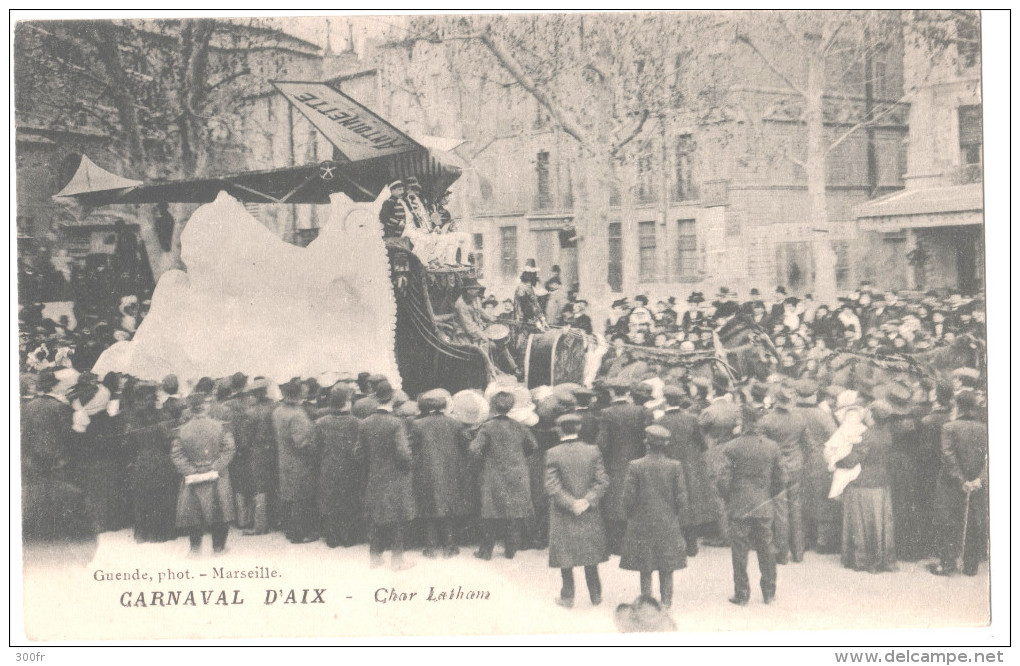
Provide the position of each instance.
(164, 90)
(820, 56)
(616, 84)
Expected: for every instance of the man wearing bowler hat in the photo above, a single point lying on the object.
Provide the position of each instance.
(575, 482)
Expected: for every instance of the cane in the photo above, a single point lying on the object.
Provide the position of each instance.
(963, 540)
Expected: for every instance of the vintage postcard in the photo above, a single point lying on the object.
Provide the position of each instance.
(455, 325)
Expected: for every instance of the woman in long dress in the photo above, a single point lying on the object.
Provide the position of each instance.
(868, 534)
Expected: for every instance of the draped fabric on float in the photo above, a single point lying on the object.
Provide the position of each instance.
(252, 303)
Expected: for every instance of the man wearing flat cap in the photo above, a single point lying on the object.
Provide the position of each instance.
(752, 475)
(653, 501)
(575, 482)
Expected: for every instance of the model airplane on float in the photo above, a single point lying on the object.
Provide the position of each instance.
(369, 153)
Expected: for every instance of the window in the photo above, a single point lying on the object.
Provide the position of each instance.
(508, 251)
(646, 190)
(478, 242)
(970, 133)
(683, 185)
(686, 249)
(646, 252)
(970, 142)
(615, 275)
(544, 199)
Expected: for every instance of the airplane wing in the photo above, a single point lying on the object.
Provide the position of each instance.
(370, 155)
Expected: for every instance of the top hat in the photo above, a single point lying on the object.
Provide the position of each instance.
(696, 297)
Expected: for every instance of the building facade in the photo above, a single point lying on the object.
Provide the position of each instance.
(931, 234)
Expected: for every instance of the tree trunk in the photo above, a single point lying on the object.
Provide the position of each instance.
(195, 37)
(814, 165)
(106, 42)
(591, 221)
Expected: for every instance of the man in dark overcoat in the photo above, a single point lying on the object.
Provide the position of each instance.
(341, 470)
(653, 501)
(389, 495)
(575, 481)
(964, 473)
(717, 422)
(751, 476)
(785, 426)
(202, 452)
(621, 440)
(257, 436)
(46, 427)
(687, 446)
(822, 516)
(439, 444)
(930, 436)
(503, 446)
(53, 511)
(297, 462)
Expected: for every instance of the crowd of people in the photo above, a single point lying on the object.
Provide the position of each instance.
(865, 320)
(93, 305)
(880, 464)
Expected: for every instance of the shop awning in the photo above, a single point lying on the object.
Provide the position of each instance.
(952, 205)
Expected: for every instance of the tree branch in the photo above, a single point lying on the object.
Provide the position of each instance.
(772, 66)
(865, 123)
(633, 134)
(509, 62)
(244, 71)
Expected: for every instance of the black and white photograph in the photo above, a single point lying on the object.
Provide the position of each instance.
(369, 326)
